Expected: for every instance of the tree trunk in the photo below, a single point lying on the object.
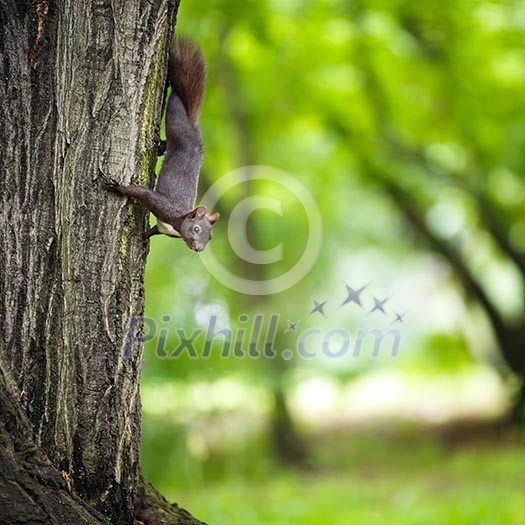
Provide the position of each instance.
(82, 87)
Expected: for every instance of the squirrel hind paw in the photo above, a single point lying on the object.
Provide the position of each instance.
(161, 147)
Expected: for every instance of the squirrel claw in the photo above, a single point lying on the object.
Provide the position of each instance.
(110, 184)
(146, 242)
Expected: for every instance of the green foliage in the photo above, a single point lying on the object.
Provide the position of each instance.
(405, 121)
(351, 98)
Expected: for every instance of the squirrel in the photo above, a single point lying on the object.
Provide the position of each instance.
(173, 200)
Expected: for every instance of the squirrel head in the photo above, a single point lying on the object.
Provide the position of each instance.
(196, 228)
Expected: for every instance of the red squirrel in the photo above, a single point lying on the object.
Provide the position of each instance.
(173, 201)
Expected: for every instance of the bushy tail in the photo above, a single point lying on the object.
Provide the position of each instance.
(187, 72)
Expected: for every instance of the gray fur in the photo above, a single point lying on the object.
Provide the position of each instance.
(173, 201)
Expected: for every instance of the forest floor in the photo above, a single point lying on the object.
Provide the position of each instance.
(459, 475)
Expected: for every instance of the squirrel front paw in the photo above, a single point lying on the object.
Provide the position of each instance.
(110, 184)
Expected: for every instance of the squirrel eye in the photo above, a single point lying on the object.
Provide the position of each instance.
(196, 229)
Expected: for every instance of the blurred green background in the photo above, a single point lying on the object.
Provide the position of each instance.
(406, 122)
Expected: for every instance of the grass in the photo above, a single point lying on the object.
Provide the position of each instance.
(406, 478)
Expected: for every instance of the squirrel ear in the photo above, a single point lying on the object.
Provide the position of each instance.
(214, 217)
(198, 212)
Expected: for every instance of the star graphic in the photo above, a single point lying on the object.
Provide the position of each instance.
(354, 295)
(379, 306)
(318, 307)
(292, 326)
(398, 318)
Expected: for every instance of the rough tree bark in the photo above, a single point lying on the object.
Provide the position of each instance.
(82, 87)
